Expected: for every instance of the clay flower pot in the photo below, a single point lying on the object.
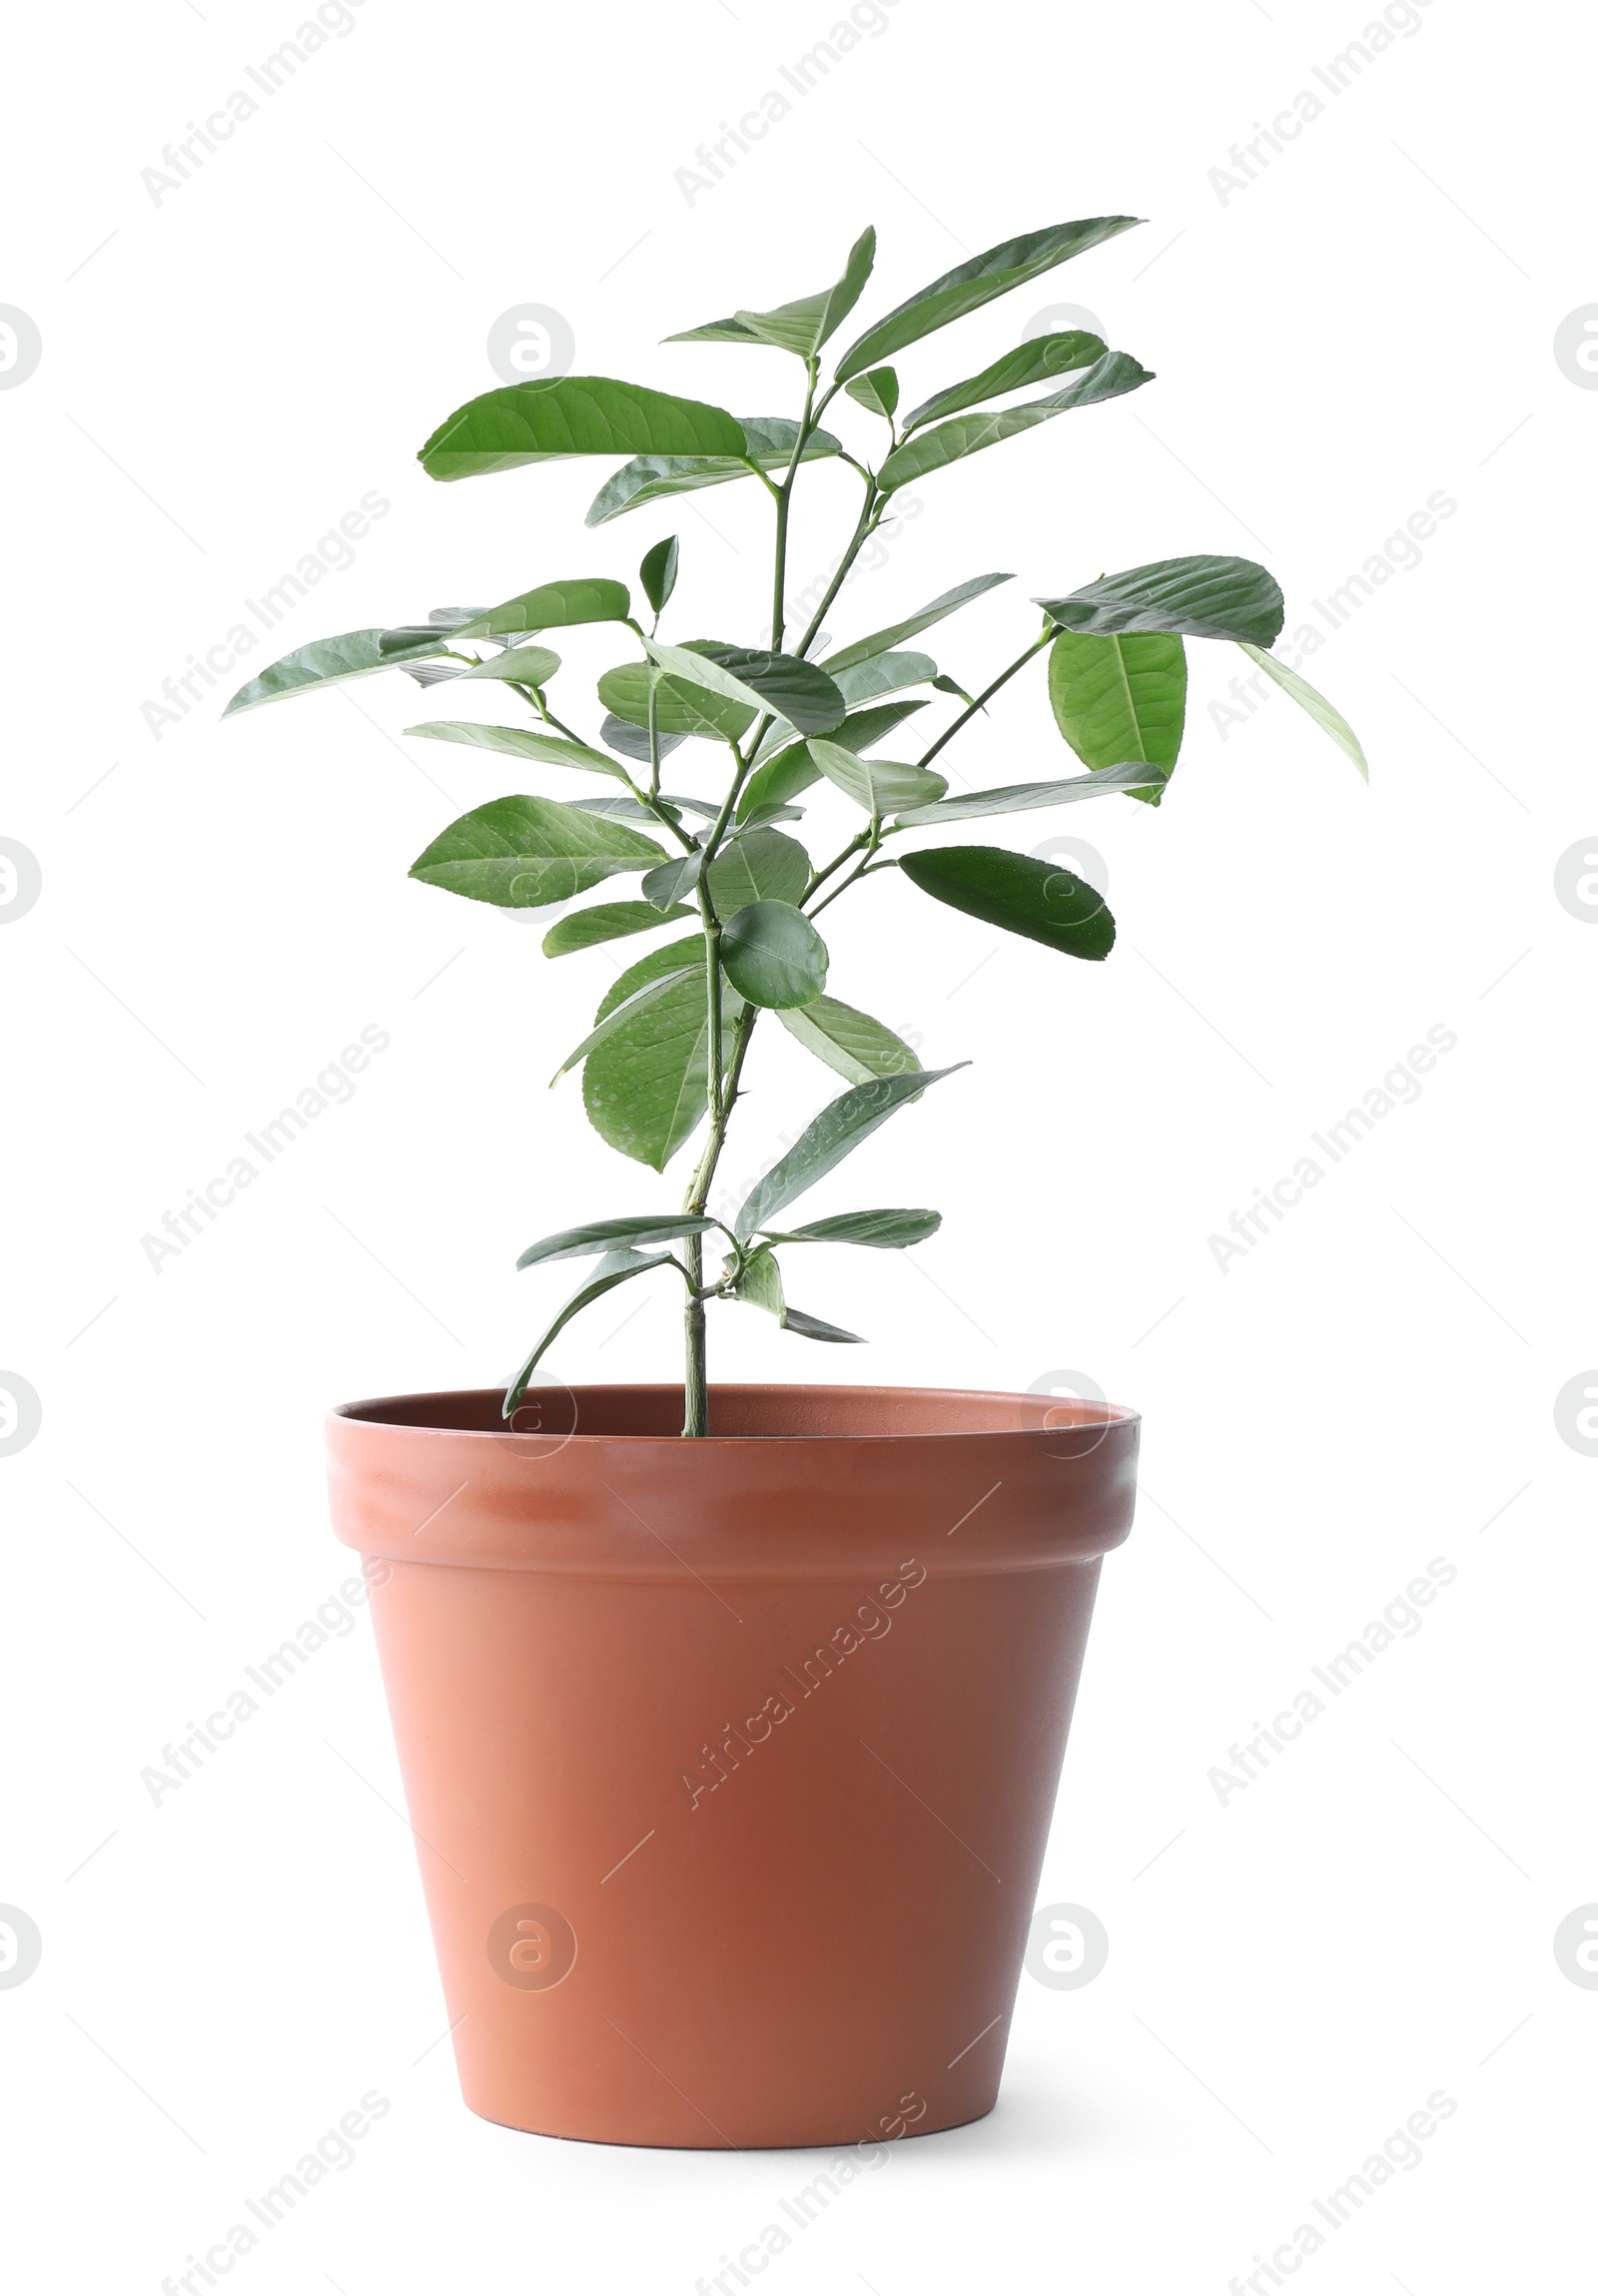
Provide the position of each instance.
(731, 1762)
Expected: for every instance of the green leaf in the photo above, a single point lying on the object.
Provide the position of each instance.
(1199, 597)
(881, 1230)
(644, 1090)
(551, 607)
(603, 1235)
(883, 641)
(616, 1267)
(525, 852)
(773, 955)
(841, 1126)
(877, 393)
(519, 741)
(760, 1284)
(805, 695)
(1112, 376)
(715, 330)
(524, 665)
(811, 1327)
(977, 280)
(1036, 898)
(769, 441)
(633, 741)
(629, 1008)
(1328, 719)
(607, 921)
(1029, 795)
(877, 786)
(758, 865)
(662, 888)
(791, 769)
(330, 661)
(680, 708)
(565, 414)
(658, 572)
(803, 327)
(1031, 362)
(883, 674)
(851, 1043)
(1116, 698)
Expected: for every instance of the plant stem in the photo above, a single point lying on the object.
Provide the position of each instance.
(987, 695)
(870, 518)
(695, 1385)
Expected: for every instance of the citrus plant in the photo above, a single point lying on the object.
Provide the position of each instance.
(721, 851)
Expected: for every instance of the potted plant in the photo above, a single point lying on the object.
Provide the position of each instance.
(731, 1717)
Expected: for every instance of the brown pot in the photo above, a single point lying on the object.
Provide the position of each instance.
(731, 1762)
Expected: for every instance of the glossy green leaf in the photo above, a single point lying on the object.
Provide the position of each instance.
(852, 1043)
(769, 441)
(525, 852)
(630, 1009)
(812, 1327)
(552, 606)
(717, 331)
(634, 740)
(797, 690)
(877, 393)
(564, 415)
(758, 865)
(1031, 362)
(975, 282)
(1196, 598)
(607, 921)
(791, 769)
(521, 665)
(1036, 898)
(803, 327)
(876, 785)
(1131, 776)
(1328, 719)
(929, 451)
(680, 707)
(645, 1088)
(657, 575)
(760, 1284)
(773, 955)
(616, 1267)
(672, 882)
(519, 741)
(841, 1126)
(881, 1230)
(330, 661)
(883, 641)
(1117, 698)
(603, 1235)
(883, 674)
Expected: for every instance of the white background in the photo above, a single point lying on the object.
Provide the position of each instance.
(1367, 322)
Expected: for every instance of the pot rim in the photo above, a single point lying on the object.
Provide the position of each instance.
(1034, 1413)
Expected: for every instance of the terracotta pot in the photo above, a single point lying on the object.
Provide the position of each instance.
(731, 1762)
